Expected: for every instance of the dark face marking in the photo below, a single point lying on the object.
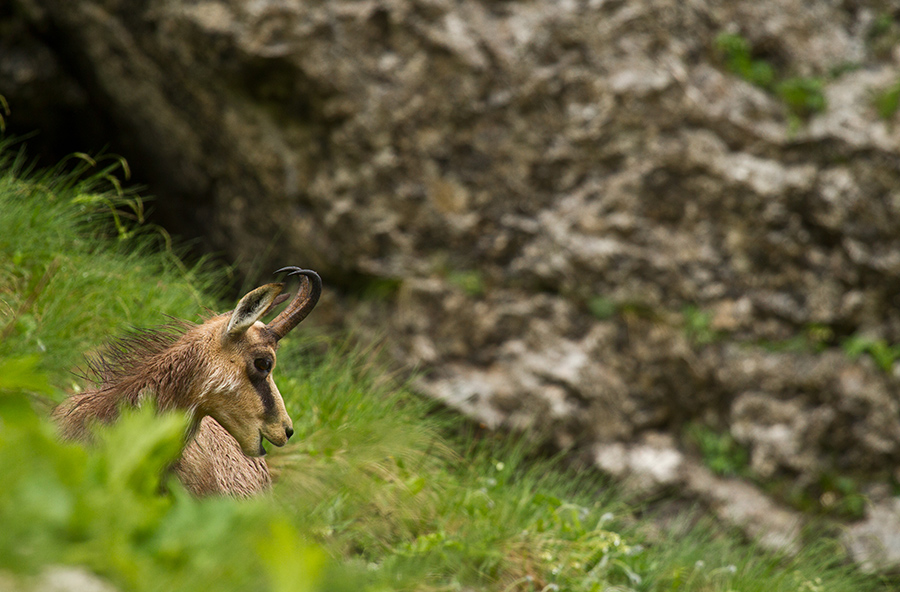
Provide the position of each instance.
(258, 372)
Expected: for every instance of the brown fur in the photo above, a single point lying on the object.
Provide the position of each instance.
(212, 463)
(211, 372)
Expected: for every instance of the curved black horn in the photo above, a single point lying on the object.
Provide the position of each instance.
(301, 305)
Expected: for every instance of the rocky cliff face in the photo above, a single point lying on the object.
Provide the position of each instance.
(602, 221)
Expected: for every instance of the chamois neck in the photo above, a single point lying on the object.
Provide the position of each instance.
(174, 378)
(160, 365)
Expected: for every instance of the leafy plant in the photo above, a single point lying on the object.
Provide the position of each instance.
(887, 101)
(815, 337)
(21, 374)
(698, 325)
(803, 96)
(736, 53)
(882, 353)
(840, 496)
(883, 35)
(720, 451)
(471, 281)
(603, 308)
(102, 509)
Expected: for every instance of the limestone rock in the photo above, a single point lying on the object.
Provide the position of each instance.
(874, 543)
(654, 465)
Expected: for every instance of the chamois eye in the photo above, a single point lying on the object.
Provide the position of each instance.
(264, 365)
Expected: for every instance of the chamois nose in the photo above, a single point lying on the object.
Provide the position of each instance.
(288, 431)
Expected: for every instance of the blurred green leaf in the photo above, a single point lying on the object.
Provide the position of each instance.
(22, 374)
(292, 565)
(887, 101)
(803, 96)
(602, 308)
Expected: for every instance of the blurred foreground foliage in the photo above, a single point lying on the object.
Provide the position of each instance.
(104, 509)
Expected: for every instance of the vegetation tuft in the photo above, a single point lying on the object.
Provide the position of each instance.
(803, 96)
(719, 450)
(698, 326)
(882, 353)
(887, 102)
(379, 491)
(883, 35)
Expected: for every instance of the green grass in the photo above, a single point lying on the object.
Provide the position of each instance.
(379, 490)
(72, 275)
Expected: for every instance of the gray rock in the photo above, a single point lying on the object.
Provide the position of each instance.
(781, 434)
(647, 468)
(654, 465)
(745, 506)
(874, 543)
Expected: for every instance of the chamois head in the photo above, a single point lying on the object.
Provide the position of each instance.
(239, 391)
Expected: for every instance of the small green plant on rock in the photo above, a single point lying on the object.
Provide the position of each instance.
(803, 96)
(816, 337)
(720, 451)
(841, 496)
(883, 35)
(698, 326)
(602, 308)
(379, 288)
(887, 102)
(471, 281)
(736, 53)
(882, 353)
(830, 494)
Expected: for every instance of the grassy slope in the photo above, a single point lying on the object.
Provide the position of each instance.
(376, 479)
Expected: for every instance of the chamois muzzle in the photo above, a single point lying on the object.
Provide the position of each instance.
(301, 305)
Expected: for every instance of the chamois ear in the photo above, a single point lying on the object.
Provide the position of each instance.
(278, 300)
(251, 308)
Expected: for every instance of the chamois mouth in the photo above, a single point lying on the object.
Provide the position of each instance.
(262, 450)
(272, 436)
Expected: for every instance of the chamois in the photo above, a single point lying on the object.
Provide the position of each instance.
(219, 372)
